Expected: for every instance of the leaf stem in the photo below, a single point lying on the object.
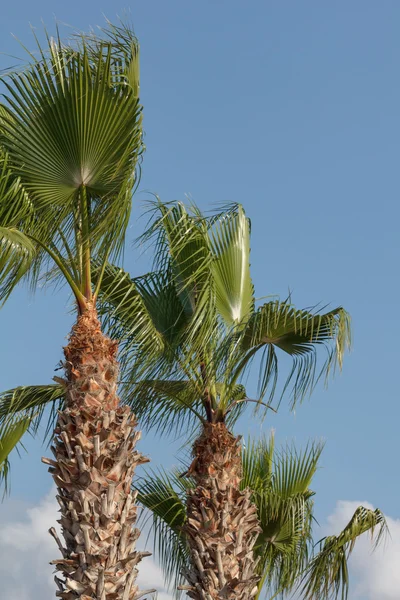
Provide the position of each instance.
(86, 270)
(80, 298)
(101, 274)
(207, 396)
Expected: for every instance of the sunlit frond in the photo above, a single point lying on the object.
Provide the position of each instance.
(17, 252)
(280, 481)
(230, 240)
(124, 311)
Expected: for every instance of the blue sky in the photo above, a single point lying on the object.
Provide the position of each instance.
(291, 108)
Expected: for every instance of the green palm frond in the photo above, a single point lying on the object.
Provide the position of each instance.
(17, 252)
(146, 315)
(294, 470)
(279, 325)
(75, 121)
(327, 574)
(181, 244)
(163, 494)
(22, 410)
(124, 311)
(30, 400)
(11, 433)
(230, 239)
(280, 482)
(182, 248)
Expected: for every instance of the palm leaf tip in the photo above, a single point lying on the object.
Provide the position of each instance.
(328, 574)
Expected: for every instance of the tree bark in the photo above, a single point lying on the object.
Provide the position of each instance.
(222, 523)
(94, 462)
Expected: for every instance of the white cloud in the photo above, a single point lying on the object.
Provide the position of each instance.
(373, 574)
(26, 548)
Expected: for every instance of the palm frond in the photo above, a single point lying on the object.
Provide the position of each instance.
(163, 494)
(22, 410)
(146, 315)
(11, 433)
(17, 253)
(124, 311)
(230, 239)
(182, 248)
(172, 406)
(280, 484)
(327, 576)
(279, 325)
(294, 470)
(32, 401)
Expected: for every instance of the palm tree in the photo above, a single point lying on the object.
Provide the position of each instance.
(191, 329)
(287, 559)
(71, 139)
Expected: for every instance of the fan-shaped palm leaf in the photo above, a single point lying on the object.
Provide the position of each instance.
(72, 132)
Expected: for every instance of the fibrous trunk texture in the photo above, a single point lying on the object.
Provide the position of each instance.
(222, 523)
(94, 461)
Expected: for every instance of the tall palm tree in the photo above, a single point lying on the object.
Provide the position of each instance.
(191, 329)
(71, 139)
(287, 559)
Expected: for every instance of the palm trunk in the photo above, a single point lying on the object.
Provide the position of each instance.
(93, 468)
(222, 523)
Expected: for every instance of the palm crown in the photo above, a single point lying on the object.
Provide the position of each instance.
(70, 137)
(191, 328)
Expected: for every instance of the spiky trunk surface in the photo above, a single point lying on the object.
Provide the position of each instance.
(222, 523)
(94, 461)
